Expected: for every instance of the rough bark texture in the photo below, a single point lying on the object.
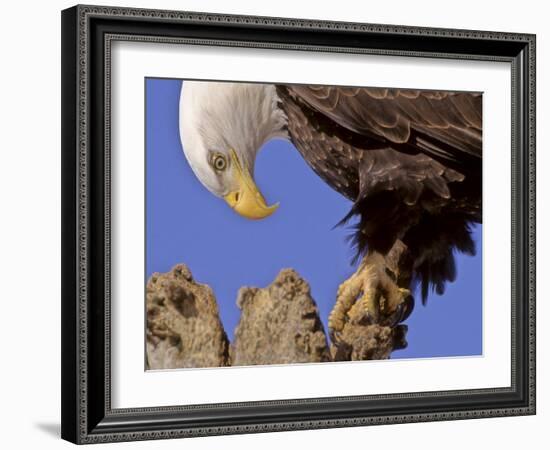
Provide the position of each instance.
(279, 324)
(183, 324)
(359, 342)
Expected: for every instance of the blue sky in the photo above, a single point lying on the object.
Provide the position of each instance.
(187, 224)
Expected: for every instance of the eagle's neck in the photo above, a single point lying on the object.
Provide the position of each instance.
(269, 119)
(238, 116)
(257, 118)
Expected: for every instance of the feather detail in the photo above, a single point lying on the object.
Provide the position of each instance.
(409, 160)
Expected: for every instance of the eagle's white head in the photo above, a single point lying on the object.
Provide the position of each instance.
(222, 127)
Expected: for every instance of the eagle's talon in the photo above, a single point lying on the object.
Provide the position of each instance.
(370, 296)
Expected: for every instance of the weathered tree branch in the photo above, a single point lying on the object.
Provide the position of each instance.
(279, 324)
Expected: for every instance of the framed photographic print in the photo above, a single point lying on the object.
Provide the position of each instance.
(281, 224)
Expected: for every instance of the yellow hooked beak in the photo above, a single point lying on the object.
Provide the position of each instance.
(247, 200)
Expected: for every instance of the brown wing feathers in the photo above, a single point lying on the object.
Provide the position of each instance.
(401, 116)
(409, 159)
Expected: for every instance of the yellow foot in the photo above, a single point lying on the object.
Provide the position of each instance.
(370, 296)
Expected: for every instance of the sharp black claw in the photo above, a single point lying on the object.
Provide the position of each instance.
(396, 317)
(400, 317)
(401, 313)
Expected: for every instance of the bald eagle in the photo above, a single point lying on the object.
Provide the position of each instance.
(409, 160)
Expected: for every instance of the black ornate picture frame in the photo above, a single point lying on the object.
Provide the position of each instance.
(87, 34)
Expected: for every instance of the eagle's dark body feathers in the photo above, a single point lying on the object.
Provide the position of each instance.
(409, 160)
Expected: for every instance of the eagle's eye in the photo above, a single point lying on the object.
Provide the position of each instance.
(219, 162)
